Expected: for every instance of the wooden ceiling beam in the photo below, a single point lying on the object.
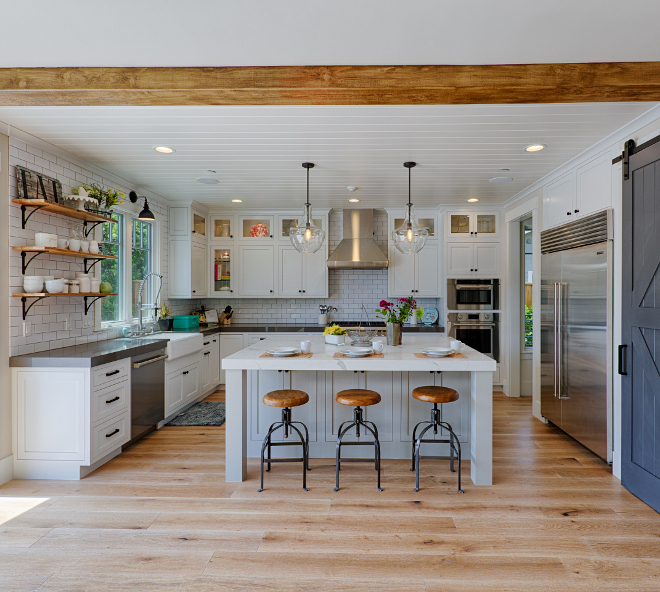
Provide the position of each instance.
(332, 85)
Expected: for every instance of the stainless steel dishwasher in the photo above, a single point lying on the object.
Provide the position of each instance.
(147, 393)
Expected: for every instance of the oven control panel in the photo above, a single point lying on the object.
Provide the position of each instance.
(474, 317)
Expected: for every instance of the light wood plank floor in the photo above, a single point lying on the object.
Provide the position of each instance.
(161, 518)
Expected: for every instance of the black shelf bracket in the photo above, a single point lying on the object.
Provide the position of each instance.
(24, 301)
(25, 264)
(24, 209)
(88, 231)
(94, 299)
(89, 267)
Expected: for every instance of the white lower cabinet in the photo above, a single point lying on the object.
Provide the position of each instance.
(67, 419)
(182, 383)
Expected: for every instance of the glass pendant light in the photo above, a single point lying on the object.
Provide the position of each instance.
(306, 237)
(410, 238)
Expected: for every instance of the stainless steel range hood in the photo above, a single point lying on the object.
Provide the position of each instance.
(358, 249)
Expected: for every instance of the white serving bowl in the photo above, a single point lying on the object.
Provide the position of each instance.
(55, 286)
(32, 286)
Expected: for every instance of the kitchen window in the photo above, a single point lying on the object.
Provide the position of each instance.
(134, 242)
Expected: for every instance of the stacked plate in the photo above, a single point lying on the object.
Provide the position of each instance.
(438, 352)
(283, 352)
(357, 352)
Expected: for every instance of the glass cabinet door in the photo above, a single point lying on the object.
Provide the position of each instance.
(287, 222)
(428, 223)
(459, 224)
(486, 224)
(222, 268)
(199, 224)
(222, 227)
(253, 228)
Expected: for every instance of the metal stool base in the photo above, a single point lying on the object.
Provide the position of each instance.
(267, 445)
(454, 446)
(368, 426)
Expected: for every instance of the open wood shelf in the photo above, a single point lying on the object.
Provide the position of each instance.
(65, 252)
(56, 208)
(41, 295)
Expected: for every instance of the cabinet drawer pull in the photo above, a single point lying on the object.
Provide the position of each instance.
(186, 372)
(207, 353)
(113, 400)
(112, 373)
(206, 342)
(116, 431)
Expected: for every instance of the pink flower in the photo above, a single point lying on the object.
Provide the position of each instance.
(402, 300)
(383, 303)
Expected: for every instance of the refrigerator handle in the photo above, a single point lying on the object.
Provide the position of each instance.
(555, 338)
(623, 366)
(560, 337)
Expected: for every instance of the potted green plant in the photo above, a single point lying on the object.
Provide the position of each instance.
(395, 315)
(165, 318)
(105, 198)
(418, 315)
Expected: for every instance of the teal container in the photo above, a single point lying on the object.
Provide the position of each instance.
(187, 323)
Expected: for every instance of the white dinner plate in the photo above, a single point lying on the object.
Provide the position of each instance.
(283, 352)
(445, 351)
(358, 352)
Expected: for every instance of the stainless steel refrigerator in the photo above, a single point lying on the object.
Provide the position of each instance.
(576, 330)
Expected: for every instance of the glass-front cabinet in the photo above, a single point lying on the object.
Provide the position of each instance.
(222, 227)
(255, 228)
(473, 224)
(222, 271)
(198, 224)
(285, 223)
(428, 223)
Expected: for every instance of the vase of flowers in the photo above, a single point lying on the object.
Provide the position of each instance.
(395, 315)
(165, 318)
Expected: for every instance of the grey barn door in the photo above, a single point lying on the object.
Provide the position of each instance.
(639, 356)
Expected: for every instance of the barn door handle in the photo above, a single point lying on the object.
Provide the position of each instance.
(623, 367)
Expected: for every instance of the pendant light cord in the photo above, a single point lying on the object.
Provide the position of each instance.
(308, 204)
(409, 175)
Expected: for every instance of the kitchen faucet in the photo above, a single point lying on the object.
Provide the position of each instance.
(140, 306)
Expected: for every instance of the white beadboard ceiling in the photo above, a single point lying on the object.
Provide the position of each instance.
(257, 151)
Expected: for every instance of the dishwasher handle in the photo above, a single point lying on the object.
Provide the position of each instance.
(150, 361)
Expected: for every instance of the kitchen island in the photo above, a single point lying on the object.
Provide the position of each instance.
(249, 376)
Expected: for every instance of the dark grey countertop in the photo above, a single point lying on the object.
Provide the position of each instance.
(88, 355)
(297, 328)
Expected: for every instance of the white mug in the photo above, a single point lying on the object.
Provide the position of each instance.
(62, 243)
(94, 247)
(377, 345)
(84, 246)
(74, 244)
(306, 347)
(457, 345)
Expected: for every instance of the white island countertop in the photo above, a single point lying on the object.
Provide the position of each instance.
(399, 358)
(472, 375)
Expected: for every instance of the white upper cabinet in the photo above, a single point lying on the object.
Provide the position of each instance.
(222, 227)
(302, 275)
(472, 224)
(594, 185)
(426, 273)
(254, 228)
(473, 259)
(559, 200)
(256, 275)
(581, 192)
(222, 271)
(414, 275)
(188, 252)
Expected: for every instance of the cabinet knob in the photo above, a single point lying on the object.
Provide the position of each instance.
(577, 211)
(194, 291)
(271, 236)
(299, 291)
(271, 291)
(231, 236)
(304, 291)
(476, 270)
(476, 233)
(568, 213)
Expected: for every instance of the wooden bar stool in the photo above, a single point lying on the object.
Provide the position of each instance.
(285, 399)
(357, 398)
(436, 395)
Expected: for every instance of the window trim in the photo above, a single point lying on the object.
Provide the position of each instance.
(125, 297)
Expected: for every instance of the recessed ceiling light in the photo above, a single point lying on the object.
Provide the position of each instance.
(164, 149)
(498, 180)
(473, 199)
(535, 147)
(207, 181)
(354, 200)
(237, 200)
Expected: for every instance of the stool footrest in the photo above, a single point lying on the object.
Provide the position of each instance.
(286, 444)
(437, 457)
(357, 443)
(343, 460)
(447, 441)
(276, 460)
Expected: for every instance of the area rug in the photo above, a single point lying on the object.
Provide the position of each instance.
(201, 414)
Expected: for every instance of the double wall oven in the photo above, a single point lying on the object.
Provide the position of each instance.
(472, 325)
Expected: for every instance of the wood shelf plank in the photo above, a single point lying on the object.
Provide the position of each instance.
(55, 208)
(65, 252)
(58, 294)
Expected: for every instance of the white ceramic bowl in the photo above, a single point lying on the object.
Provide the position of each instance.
(45, 239)
(33, 278)
(55, 286)
(32, 286)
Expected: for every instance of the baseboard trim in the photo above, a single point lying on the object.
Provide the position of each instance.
(6, 469)
(616, 464)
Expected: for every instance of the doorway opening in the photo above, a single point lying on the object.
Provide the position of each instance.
(526, 308)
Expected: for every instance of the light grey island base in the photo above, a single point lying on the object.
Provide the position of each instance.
(249, 377)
